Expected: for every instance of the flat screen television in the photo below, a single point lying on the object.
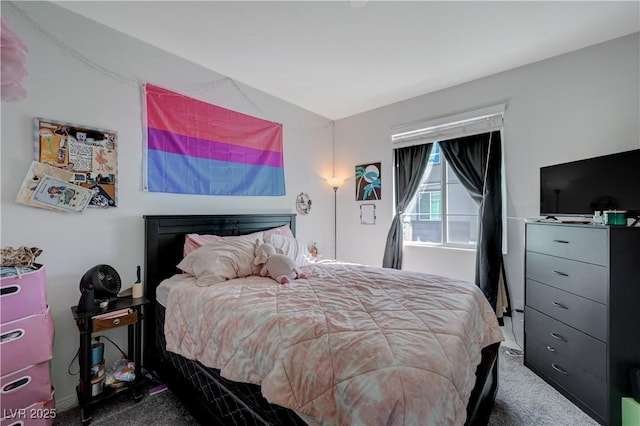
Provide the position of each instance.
(579, 188)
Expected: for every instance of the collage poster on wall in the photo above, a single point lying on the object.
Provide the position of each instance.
(88, 153)
(368, 182)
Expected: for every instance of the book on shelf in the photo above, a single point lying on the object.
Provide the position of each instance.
(113, 314)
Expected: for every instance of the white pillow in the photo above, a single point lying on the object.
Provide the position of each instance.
(222, 260)
(290, 247)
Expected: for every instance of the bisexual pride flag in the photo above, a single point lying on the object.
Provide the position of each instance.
(197, 148)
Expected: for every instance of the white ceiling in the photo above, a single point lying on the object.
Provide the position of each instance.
(339, 58)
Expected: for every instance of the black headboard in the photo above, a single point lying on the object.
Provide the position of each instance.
(164, 244)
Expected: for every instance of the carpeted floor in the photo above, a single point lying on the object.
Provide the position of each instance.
(523, 399)
(162, 409)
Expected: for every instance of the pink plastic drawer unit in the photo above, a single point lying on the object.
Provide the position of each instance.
(24, 295)
(24, 387)
(26, 341)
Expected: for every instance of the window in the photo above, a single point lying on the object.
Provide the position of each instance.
(434, 157)
(430, 205)
(442, 212)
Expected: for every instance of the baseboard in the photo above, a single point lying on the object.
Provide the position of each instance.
(66, 403)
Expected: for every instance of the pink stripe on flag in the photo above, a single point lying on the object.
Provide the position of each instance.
(181, 115)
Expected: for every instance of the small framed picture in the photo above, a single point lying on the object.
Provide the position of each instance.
(367, 214)
(61, 195)
(37, 171)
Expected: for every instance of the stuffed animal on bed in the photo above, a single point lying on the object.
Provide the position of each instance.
(278, 266)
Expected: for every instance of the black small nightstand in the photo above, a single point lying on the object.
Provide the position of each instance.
(87, 326)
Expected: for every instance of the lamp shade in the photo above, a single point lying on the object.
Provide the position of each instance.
(335, 182)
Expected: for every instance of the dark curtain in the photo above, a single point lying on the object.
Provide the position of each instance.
(476, 160)
(410, 164)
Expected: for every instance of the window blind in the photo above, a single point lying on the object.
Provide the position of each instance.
(483, 120)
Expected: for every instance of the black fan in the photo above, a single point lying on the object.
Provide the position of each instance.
(99, 284)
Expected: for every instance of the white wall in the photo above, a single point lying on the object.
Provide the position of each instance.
(62, 87)
(578, 105)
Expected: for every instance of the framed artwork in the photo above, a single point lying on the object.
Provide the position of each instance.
(368, 214)
(89, 153)
(368, 182)
(61, 195)
(303, 203)
(36, 173)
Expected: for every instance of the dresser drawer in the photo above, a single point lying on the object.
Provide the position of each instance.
(578, 243)
(574, 379)
(106, 324)
(583, 314)
(567, 342)
(24, 295)
(584, 279)
(26, 341)
(24, 387)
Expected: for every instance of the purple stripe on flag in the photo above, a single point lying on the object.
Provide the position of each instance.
(162, 140)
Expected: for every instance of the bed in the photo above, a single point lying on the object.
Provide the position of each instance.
(214, 399)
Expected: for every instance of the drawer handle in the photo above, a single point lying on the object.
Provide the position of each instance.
(11, 336)
(558, 337)
(560, 305)
(9, 290)
(551, 349)
(116, 321)
(562, 274)
(559, 369)
(16, 384)
(561, 241)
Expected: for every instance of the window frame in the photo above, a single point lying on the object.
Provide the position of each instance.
(452, 126)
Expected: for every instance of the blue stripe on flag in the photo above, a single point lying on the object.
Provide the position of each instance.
(189, 175)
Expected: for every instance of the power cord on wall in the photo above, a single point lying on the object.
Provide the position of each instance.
(513, 351)
(96, 339)
(113, 343)
(71, 363)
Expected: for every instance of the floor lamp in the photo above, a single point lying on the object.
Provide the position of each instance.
(335, 183)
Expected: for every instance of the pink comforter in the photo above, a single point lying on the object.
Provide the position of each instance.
(352, 345)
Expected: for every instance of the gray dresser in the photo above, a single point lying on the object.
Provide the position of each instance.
(582, 312)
